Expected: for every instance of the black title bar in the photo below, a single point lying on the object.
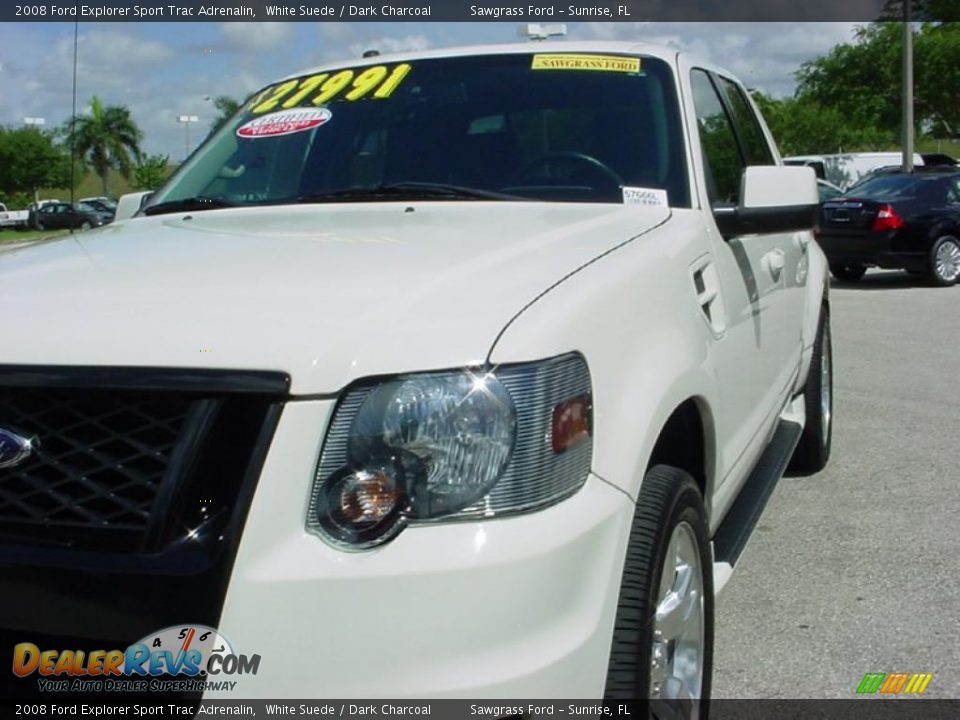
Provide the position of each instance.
(536, 11)
(96, 706)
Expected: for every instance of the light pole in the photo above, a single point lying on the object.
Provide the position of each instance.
(186, 120)
(907, 128)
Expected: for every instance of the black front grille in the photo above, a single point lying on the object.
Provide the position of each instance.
(120, 468)
(98, 462)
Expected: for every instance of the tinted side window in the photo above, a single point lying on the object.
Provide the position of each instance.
(721, 155)
(754, 143)
(953, 196)
(933, 192)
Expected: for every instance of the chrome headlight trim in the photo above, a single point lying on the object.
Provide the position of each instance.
(535, 476)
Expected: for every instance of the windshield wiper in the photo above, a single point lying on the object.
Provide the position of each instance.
(191, 204)
(407, 191)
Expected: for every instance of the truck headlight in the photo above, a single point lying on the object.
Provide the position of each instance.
(448, 446)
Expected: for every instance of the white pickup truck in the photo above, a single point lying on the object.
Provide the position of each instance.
(13, 218)
(463, 373)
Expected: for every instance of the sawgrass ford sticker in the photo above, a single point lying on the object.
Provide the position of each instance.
(284, 122)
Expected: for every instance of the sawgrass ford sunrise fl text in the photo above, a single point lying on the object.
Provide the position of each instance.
(550, 11)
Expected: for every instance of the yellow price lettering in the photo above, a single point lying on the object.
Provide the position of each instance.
(390, 84)
(277, 95)
(334, 85)
(306, 87)
(259, 98)
(378, 80)
(367, 81)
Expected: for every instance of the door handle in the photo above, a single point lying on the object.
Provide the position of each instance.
(706, 284)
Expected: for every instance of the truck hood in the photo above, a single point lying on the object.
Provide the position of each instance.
(325, 293)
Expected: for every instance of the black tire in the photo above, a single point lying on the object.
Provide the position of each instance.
(813, 450)
(85, 225)
(669, 497)
(847, 272)
(943, 275)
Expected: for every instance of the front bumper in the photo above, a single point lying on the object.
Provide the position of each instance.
(519, 607)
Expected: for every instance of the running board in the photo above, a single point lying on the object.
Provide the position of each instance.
(734, 532)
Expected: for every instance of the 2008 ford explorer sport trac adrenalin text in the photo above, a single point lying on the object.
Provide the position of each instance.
(433, 375)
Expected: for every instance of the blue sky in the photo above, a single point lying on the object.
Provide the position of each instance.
(162, 70)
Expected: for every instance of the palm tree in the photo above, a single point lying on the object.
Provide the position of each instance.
(227, 107)
(106, 138)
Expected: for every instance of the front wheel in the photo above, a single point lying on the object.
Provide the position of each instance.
(662, 651)
(945, 261)
(85, 226)
(848, 272)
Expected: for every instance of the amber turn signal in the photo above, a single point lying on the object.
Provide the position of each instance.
(572, 423)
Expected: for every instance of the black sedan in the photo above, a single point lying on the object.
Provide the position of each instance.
(894, 219)
(63, 216)
(104, 207)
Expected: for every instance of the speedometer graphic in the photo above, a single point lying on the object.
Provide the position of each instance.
(180, 649)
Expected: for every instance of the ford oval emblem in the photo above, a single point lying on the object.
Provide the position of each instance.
(14, 449)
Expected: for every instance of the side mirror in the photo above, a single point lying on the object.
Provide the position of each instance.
(130, 204)
(773, 199)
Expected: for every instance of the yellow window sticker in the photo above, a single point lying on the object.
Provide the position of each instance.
(604, 63)
(377, 82)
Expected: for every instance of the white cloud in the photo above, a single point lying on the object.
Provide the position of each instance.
(390, 44)
(341, 41)
(763, 55)
(257, 36)
(337, 32)
(103, 50)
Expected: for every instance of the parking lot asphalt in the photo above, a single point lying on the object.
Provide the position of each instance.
(857, 569)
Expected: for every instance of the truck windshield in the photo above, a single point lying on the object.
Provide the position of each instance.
(568, 127)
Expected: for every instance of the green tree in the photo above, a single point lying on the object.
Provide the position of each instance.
(862, 80)
(804, 127)
(226, 107)
(29, 161)
(151, 171)
(937, 77)
(859, 80)
(106, 138)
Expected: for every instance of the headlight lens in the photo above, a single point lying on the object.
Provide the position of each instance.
(452, 433)
(451, 445)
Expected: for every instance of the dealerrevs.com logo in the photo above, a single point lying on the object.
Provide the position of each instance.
(180, 658)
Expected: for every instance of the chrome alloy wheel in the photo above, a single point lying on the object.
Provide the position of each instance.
(947, 261)
(676, 658)
(826, 384)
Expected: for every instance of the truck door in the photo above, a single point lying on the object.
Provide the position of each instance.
(754, 356)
